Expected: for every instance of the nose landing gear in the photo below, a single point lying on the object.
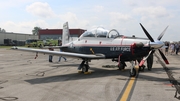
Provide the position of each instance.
(133, 70)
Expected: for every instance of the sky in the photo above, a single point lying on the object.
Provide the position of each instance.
(21, 16)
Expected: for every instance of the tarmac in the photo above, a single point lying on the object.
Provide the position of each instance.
(23, 78)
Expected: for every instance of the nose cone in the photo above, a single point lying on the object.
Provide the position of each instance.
(156, 44)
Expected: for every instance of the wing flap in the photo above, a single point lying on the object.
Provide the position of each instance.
(58, 53)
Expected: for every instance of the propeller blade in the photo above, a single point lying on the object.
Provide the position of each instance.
(150, 61)
(147, 34)
(164, 58)
(141, 63)
(145, 58)
(161, 35)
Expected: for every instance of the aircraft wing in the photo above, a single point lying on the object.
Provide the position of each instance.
(58, 53)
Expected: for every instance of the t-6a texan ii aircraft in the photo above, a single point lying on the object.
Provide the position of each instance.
(100, 43)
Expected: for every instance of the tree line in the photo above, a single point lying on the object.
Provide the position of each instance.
(35, 31)
(2, 30)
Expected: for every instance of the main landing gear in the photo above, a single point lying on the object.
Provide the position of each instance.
(84, 66)
(121, 65)
(141, 68)
(132, 72)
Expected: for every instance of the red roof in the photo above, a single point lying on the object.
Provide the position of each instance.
(59, 31)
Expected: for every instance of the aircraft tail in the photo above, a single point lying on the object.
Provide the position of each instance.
(65, 34)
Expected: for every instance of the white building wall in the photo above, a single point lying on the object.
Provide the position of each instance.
(1, 38)
(32, 37)
(16, 36)
(21, 37)
(9, 36)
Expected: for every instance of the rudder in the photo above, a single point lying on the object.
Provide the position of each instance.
(65, 34)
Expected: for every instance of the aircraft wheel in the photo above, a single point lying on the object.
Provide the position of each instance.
(85, 68)
(141, 68)
(149, 68)
(133, 73)
(122, 66)
(150, 62)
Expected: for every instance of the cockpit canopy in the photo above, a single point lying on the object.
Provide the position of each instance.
(101, 33)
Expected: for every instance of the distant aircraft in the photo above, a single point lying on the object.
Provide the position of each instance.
(100, 43)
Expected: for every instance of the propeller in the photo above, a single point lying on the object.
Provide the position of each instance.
(145, 58)
(164, 58)
(161, 35)
(147, 34)
(158, 43)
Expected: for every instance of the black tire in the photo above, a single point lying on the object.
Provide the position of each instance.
(141, 68)
(85, 68)
(122, 66)
(150, 62)
(133, 74)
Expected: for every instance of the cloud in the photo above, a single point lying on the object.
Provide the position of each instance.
(69, 16)
(98, 8)
(27, 26)
(152, 12)
(116, 16)
(40, 9)
(73, 20)
(23, 27)
(13, 3)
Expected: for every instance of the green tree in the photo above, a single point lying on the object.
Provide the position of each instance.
(2, 30)
(35, 31)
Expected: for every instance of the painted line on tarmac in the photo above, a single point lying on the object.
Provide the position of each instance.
(169, 73)
(128, 89)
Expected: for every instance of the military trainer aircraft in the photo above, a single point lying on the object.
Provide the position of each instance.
(100, 43)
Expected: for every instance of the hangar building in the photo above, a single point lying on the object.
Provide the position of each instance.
(15, 36)
(43, 34)
(57, 33)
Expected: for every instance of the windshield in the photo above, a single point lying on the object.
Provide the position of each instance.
(96, 32)
(101, 33)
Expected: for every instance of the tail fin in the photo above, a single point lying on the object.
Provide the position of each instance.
(65, 34)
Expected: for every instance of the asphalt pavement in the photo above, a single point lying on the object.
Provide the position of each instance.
(23, 78)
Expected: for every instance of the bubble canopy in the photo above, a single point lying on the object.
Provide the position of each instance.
(100, 32)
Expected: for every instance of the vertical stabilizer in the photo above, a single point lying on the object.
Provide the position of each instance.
(65, 34)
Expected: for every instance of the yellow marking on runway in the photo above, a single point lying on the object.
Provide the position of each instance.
(129, 87)
(84, 72)
(87, 72)
(122, 69)
(79, 71)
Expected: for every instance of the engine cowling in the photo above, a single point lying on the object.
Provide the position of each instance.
(135, 46)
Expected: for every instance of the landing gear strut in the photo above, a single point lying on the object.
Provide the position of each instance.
(121, 64)
(84, 66)
(133, 70)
